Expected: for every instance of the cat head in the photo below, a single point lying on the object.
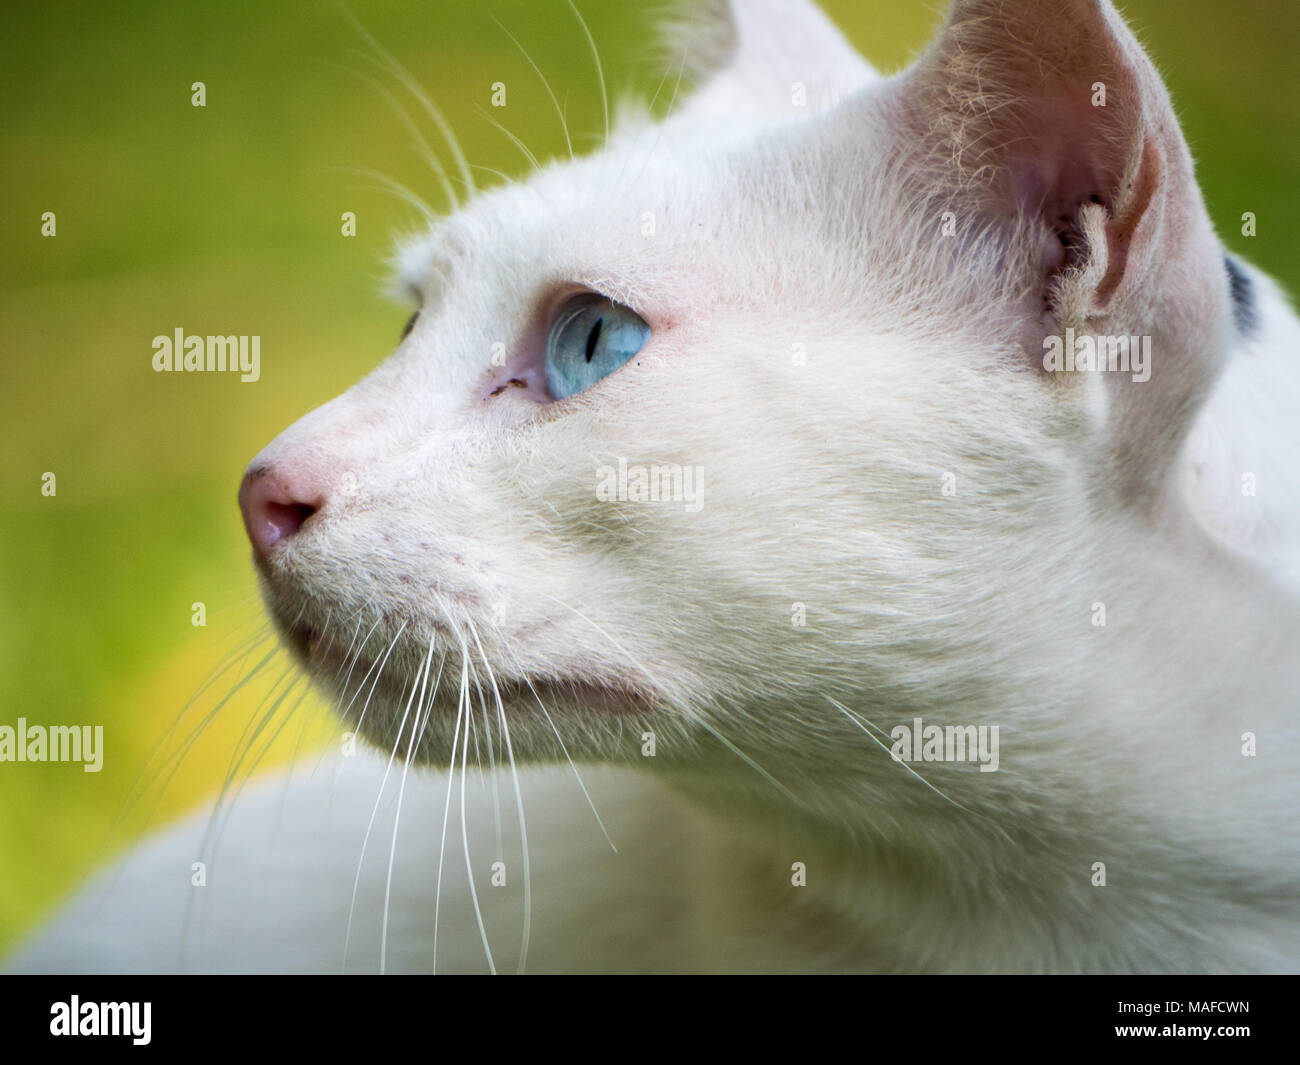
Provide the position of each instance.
(746, 414)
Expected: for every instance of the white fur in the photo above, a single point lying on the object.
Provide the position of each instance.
(473, 520)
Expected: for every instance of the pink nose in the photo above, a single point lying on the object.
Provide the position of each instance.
(274, 507)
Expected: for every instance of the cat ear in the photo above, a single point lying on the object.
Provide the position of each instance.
(1048, 122)
(760, 57)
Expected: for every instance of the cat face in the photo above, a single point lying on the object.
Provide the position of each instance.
(819, 478)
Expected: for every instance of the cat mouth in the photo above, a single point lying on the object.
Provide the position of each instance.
(311, 647)
(350, 676)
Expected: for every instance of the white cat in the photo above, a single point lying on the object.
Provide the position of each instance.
(816, 313)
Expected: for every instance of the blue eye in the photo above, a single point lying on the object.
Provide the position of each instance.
(590, 339)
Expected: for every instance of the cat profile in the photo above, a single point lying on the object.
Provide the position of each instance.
(960, 654)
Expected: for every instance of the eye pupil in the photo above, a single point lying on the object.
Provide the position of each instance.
(593, 338)
(410, 324)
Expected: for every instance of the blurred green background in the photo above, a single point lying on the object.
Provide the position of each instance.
(226, 220)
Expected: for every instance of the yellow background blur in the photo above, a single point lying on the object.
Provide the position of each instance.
(226, 220)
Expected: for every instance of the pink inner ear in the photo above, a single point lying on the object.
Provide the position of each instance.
(1061, 163)
(1054, 190)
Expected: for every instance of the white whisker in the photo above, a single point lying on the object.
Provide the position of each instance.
(600, 71)
(568, 758)
(464, 834)
(564, 125)
(446, 809)
(519, 801)
(422, 98)
(696, 718)
(854, 718)
(374, 812)
(532, 159)
(417, 729)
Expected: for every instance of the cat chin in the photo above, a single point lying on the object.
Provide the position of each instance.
(596, 723)
(383, 693)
